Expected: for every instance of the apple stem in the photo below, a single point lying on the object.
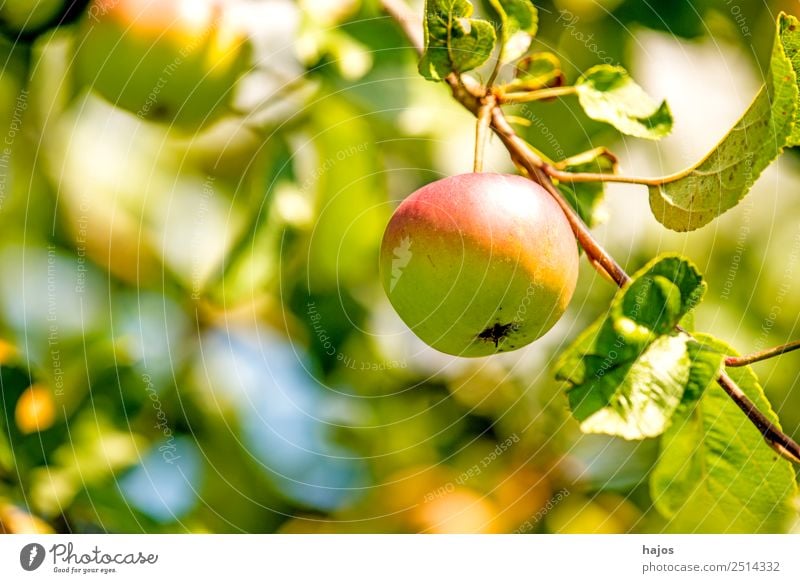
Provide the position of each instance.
(472, 96)
(526, 158)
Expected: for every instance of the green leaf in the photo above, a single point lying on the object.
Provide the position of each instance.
(630, 370)
(715, 473)
(96, 451)
(636, 398)
(537, 71)
(696, 196)
(349, 195)
(587, 197)
(519, 21)
(659, 296)
(607, 93)
(454, 43)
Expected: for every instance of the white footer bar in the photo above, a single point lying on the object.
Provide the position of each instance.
(402, 559)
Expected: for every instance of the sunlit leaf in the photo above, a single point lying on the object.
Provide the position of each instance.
(699, 194)
(7, 351)
(607, 93)
(715, 473)
(453, 41)
(519, 21)
(95, 451)
(629, 371)
(14, 520)
(537, 71)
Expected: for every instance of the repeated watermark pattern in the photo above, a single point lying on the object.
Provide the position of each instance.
(81, 238)
(198, 235)
(739, 17)
(14, 128)
(99, 9)
(315, 317)
(168, 449)
(744, 232)
(789, 273)
(610, 360)
(474, 470)
(328, 163)
(168, 72)
(52, 323)
(545, 131)
(741, 245)
(531, 523)
(570, 21)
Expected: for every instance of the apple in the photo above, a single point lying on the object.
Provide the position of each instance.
(477, 264)
(172, 61)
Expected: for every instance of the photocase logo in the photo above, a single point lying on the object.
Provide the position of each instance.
(31, 556)
(402, 255)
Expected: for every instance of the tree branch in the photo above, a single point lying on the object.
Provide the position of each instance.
(775, 438)
(532, 164)
(762, 354)
(470, 93)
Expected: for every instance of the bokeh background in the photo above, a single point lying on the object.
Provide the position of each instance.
(193, 336)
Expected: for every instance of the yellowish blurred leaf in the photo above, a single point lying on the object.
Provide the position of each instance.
(13, 520)
(7, 351)
(36, 409)
(519, 496)
(462, 511)
(603, 514)
(96, 451)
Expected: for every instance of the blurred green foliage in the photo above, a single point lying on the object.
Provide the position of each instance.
(204, 310)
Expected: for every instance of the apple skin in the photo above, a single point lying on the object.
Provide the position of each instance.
(477, 264)
(170, 61)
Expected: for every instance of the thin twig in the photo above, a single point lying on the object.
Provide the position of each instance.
(589, 156)
(762, 354)
(469, 93)
(501, 55)
(563, 176)
(538, 95)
